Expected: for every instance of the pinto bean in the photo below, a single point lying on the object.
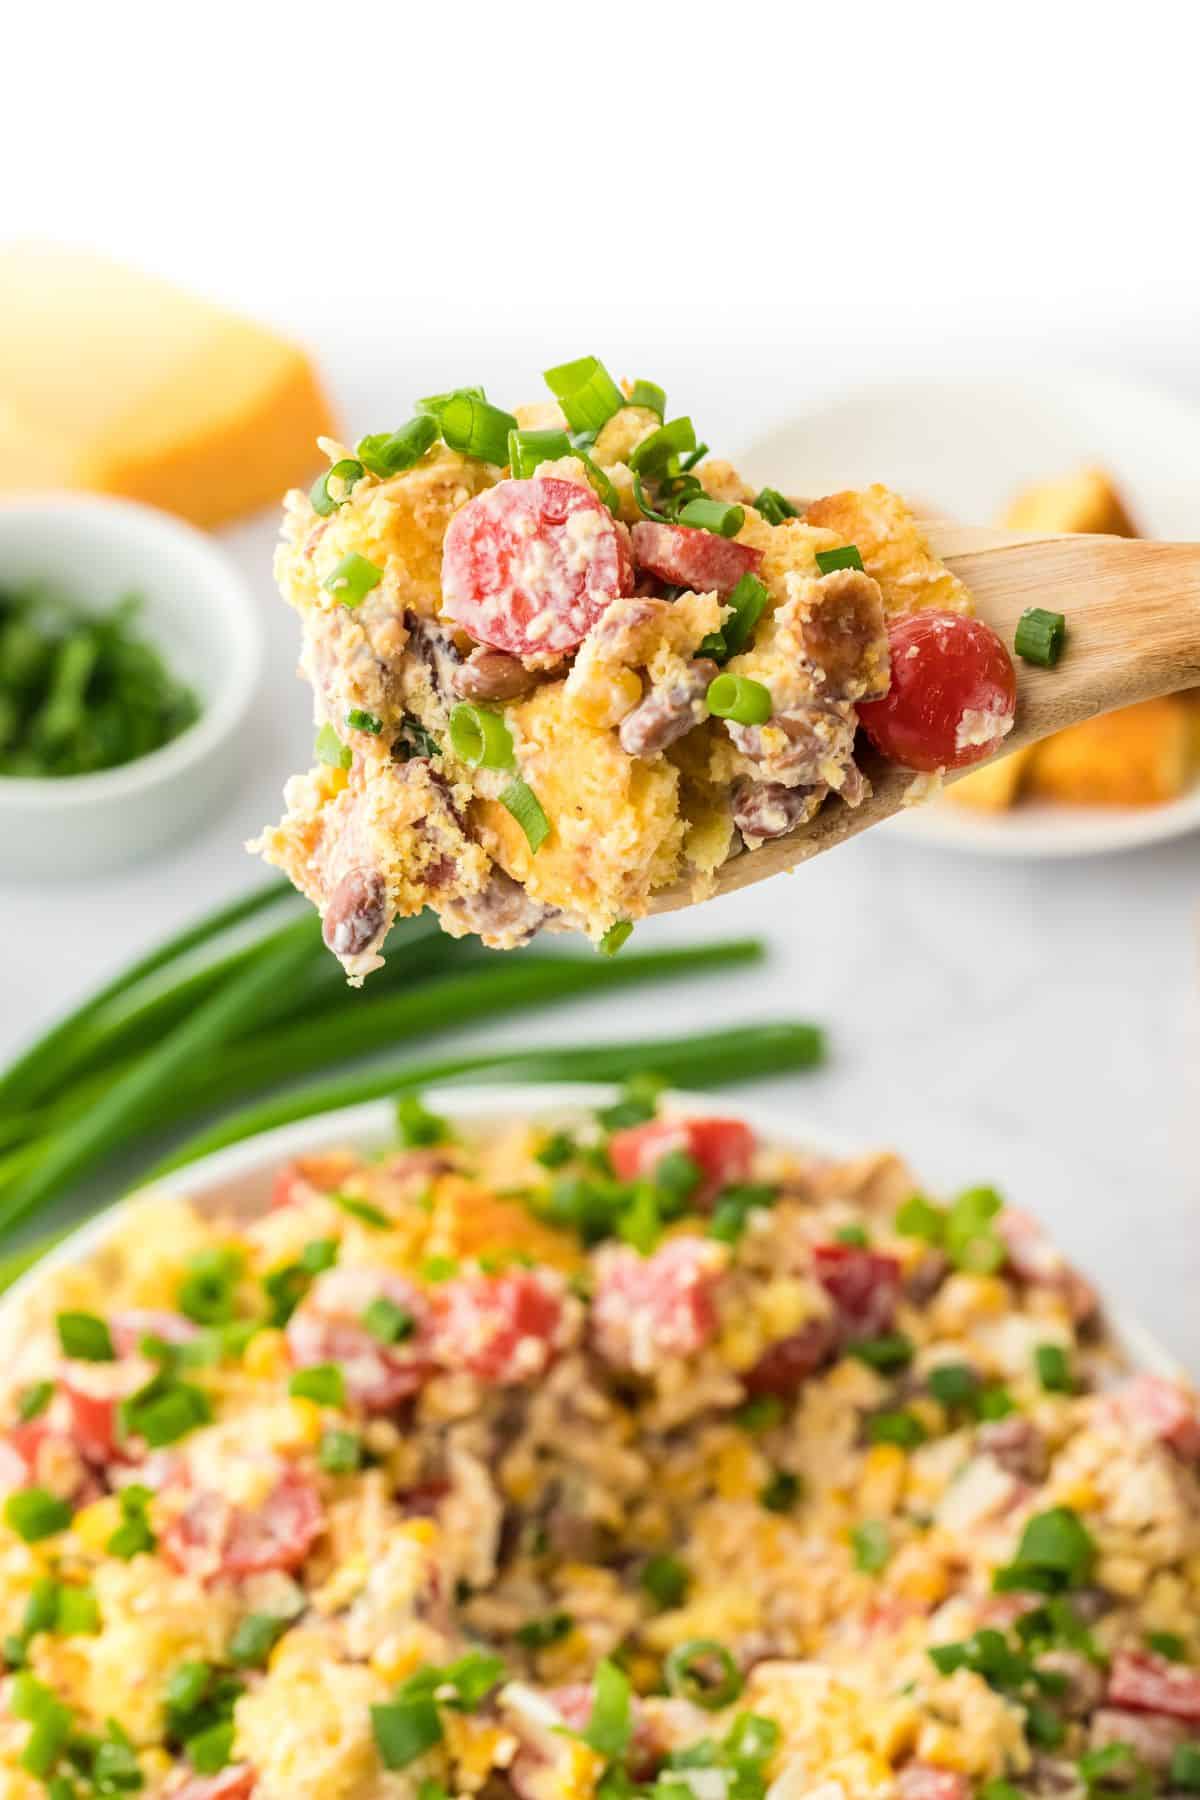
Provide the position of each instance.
(356, 916)
(1153, 1737)
(768, 809)
(844, 634)
(436, 649)
(493, 675)
(501, 911)
(813, 736)
(1084, 1681)
(668, 712)
(1016, 1444)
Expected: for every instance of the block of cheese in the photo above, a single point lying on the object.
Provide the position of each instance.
(117, 382)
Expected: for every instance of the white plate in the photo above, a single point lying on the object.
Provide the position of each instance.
(962, 448)
(239, 1179)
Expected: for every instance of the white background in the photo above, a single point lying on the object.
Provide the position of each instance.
(754, 207)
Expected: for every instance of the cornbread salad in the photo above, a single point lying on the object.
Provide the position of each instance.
(623, 1457)
(563, 659)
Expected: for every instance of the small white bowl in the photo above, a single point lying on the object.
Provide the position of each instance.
(199, 612)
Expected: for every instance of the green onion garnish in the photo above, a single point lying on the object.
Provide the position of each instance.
(780, 1493)
(339, 1452)
(322, 1382)
(713, 515)
(207, 1292)
(1056, 1551)
(439, 1268)
(995, 1402)
(610, 1725)
(536, 1634)
(417, 1126)
(891, 1350)
(34, 1400)
(526, 449)
(390, 1323)
(85, 1337)
(665, 1579)
(480, 738)
(616, 935)
(49, 1719)
(329, 749)
(164, 1411)
(586, 392)
(762, 1413)
(747, 601)
(853, 1234)
(347, 472)
(953, 1384)
(1053, 1368)
(405, 1729)
(476, 428)
(920, 1218)
(1185, 1767)
(649, 395)
(1168, 1644)
(133, 1535)
(900, 1427)
(654, 454)
(774, 506)
(389, 453)
(970, 1239)
(704, 1672)
(209, 1751)
(520, 800)
(351, 580)
(78, 1612)
(1040, 636)
(254, 1638)
(360, 1209)
(436, 403)
(844, 557)
(600, 483)
(871, 1546)
(359, 720)
(739, 698)
(35, 1513)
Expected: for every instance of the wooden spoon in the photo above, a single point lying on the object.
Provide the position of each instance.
(1133, 633)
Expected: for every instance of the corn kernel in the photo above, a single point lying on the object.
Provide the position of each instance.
(96, 1523)
(941, 1744)
(1081, 1495)
(301, 1425)
(422, 1531)
(608, 696)
(882, 1480)
(739, 1471)
(397, 1658)
(266, 1355)
(1122, 1574)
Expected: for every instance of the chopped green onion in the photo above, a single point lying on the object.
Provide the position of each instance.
(34, 1400)
(347, 471)
(773, 506)
(254, 1638)
(50, 1723)
(537, 1634)
(853, 1234)
(688, 462)
(351, 579)
(734, 1205)
(418, 1127)
(520, 800)
(995, 1402)
(405, 1729)
(439, 1268)
(953, 1384)
(997, 1789)
(360, 1209)
(703, 1671)
(610, 1724)
(1053, 1368)
(436, 403)
(207, 1292)
(330, 750)
(1040, 636)
(739, 698)
(780, 1493)
(473, 426)
(713, 515)
(164, 1411)
(920, 1218)
(600, 483)
(1055, 1551)
(970, 1239)
(665, 1579)
(655, 453)
(41, 1610)
(558, 1149)
(1185, 1767)
(526, 449)
(480, 738)
(85, 1337)
(388, 453)
(586, 392)
(209, 1751)
(900, 1427)
(891, 1350)
(359, 720)
(747, 600)
(871, 1546)
(649, 395)
(322, 1382)
(640, 1223)
(35, 1513)
(617, 934)
(78, 1612)
(390, 1323)
(762, 1413)
(339, 1452)
(1168, 1644)
(133, 1536)
(845, 557)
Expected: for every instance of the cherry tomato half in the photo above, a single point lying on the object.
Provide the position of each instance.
(953, 693)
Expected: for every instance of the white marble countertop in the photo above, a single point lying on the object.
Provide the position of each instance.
(1029, 1025)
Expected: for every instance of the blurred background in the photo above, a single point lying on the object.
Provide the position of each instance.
(928, 247)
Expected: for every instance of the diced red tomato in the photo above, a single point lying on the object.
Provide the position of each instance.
(864, 1286)
(723, 1148)
(93, 1422)
(924, 1781)
(647, 1309)
(19, 1451)
(236, 1783)
(1034, 1259)
(691, 558)
(211, 1536)
(503, 1328)
(1154, 1408)
(787, 1365)
(328, 1327)
(953, 694)
(295, 1181)
(1144, 1682)
(529, 566)
(128, 1328)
